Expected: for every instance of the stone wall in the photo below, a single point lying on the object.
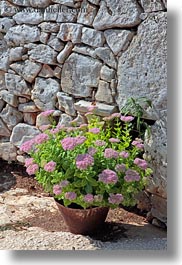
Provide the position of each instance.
(62, 54)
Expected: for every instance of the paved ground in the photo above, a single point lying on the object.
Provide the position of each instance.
(17, 204)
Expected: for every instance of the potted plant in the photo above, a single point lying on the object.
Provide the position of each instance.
(88, 168)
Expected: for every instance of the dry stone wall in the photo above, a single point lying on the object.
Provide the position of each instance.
(62, 54)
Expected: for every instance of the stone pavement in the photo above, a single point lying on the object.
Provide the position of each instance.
(16, 205)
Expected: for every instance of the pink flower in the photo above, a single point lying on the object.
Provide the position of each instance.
(80, 139)
(120, 167)
(40, 138)
(47, 113)
(54, 131)
(108, 176)
(27, 146)
(116, 115)
(64, 183)
(114, 140)
(138, 144)
(70, 195)
(110, 153)
(50, 166)
(44, 127)
(92, 151)
(115, 198)
(126, 118)
(28, 162)
(88, 198)
(124, 154)
(83, 161)
(94, 130)
(91, 108)
(68, 143)
(131, 175)
(100, 143)
(32, 169)
(57, 189)
(141, 163)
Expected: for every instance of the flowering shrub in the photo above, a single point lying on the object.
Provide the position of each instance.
(95, 164)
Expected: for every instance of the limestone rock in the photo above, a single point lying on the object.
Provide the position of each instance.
(2, 80)
(9, 98)
(20, 2)
(107, 74)
(64, 2)
(95, 2)
(16, 85)
(142, 68)
(66, 103)
(4, 131)
(2, 103)
(152, 5)
(80, 119)
(117, 14)
(4, 61)
(46, 71)
(8, 151)
(7, 9)
(87, 18)
(23, 132)
(27, 69)
(28, 107)
(105, 54)
(5, 24)
(66, 14)
(159, 208)
(32, 17)
(165, 3)
(22, 34)
(70, 32)
(80, 74)
(40, 3)
(15, 54)
(85, 50)
(44, 36)
(104, 92)
(29, 118)
(43, 54)
(65, 120)
(57, 72)
(101, 108)
(92, 37)
(63, 55)
(118, 40)
(55, 43)
(49, 27)
(11, 116)
(41, 121)
(44, 93)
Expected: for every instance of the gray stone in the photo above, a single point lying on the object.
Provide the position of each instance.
(11, 116)
(28, 107)
(63, 55)
(6, 9)
(5, 24)
(152, 5)
(2, 80)
(106, 55)
(15, 54)
(65, 120)
(92, 37)
(43, 54)
(66, 14)
(101, 108)
(55, 43)
(64, 2)
(66, 103)
(42, 121)
(85, 50)
(32, 17)
(70, 32)
(118, 40)
(80, 119)
(114, 87)
(80, 74)
(104, 93)
(27, 69)
(95, 2)
(106, 73)
(23, 132)
(16, 85)
(49, 27)
(57, 72)
(165, 3)
(4, 131)
(46, 71)
(87, 18)
(4, 61)
(2, 103)
(142, 68)
(40, 3)
(20, 2)
(8, 151)
(22, 34)
(23, 100)
(156, 154)
(29, 118)
(44, 36)
(116, 13)
(44, 93)
(159, 208)
(9, 98)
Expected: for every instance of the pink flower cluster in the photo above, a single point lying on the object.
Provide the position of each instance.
(32, 169)
(141, 163)
(114, 140)
(50, 166)
(92, 151)
(94, 130)
(100, 143)
(69, 143)
(138, 143)
(28, 162)
(63, 183)
(115, 198)
(124, 154)
(120, 167)
(110, 153)
(88, 198)
(47, 113)
(83, 161)
(70, 195)
(126, 118)
(131, 175)
(108, 176)
(40, 138)
(27, 146)
(57, 189)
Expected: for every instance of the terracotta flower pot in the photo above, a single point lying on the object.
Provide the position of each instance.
(83, 221)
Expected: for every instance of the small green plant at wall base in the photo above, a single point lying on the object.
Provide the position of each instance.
(90, 165)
